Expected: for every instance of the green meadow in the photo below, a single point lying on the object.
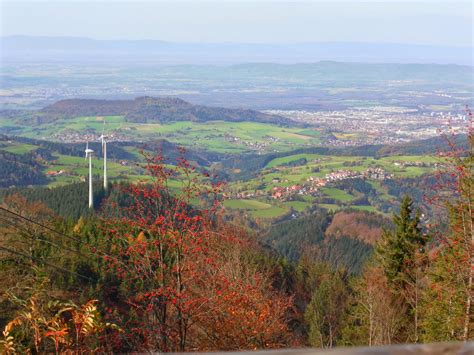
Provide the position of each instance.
(18, 148)
(218, 136)
(256, 208)
(337, 194)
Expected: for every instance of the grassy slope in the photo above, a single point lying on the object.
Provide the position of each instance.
(206, 135)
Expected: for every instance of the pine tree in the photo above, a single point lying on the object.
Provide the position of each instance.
(397, 250)
(401, 254)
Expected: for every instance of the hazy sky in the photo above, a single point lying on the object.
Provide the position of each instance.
(421, 22)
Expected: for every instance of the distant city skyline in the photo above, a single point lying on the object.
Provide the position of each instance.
(443, 23)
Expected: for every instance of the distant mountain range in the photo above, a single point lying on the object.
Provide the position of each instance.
(153, 110)
(85, 50)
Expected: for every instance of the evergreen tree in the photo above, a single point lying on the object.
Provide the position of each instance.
(401, 254)
(397, 250)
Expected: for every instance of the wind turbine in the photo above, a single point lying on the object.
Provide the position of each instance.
(104, 151)
(89, 155)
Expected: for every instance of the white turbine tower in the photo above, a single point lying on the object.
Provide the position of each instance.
(104, 151)
(89, 155)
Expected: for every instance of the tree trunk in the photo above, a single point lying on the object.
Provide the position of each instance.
(467, 315)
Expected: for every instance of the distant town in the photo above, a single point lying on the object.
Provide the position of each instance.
(376, 125)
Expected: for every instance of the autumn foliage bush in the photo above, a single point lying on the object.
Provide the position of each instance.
(44, 324)
(177, 278)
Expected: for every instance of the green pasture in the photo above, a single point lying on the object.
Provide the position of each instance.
(257, 209)
(411, 158)
(330, 163)
(272, 212)
(337, 194)
(214, 135)
(329, 207)
(299, 206)
(365, 208)
(18, 148)
(291, 158)
(246, 204)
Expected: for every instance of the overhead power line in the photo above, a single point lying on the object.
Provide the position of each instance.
(39, 224)
(12, 251)
(77, 240)
(31, 235)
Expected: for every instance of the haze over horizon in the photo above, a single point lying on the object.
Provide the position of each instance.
(437, 23)
(77, 50)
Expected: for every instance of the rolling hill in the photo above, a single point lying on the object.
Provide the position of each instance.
(154, 110)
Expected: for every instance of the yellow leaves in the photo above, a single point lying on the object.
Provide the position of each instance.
(87, 318)
(79, 225)
(66, 324)
(7, 345)
(10, 325)
(140, 238)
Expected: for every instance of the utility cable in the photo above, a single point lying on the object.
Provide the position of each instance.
(31, 235)
(12, 251)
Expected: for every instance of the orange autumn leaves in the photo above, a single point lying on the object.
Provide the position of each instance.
(182, 279)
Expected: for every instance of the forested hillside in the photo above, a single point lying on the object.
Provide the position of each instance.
(20, 170)
(68, 201)
(117, 150)
(343, 240)
(144, 110)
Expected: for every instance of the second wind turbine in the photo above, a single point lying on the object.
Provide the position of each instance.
(89, 155)
(104, 151)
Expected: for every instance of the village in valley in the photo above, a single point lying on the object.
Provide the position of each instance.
(291, 184)
(312, 185)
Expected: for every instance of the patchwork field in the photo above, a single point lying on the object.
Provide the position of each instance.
(218, 136)
(76, 169)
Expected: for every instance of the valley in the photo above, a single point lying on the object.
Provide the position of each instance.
(276, 165)
(283, 187)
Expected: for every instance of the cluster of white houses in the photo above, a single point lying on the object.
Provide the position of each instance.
(313, 184)
(258, 146)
